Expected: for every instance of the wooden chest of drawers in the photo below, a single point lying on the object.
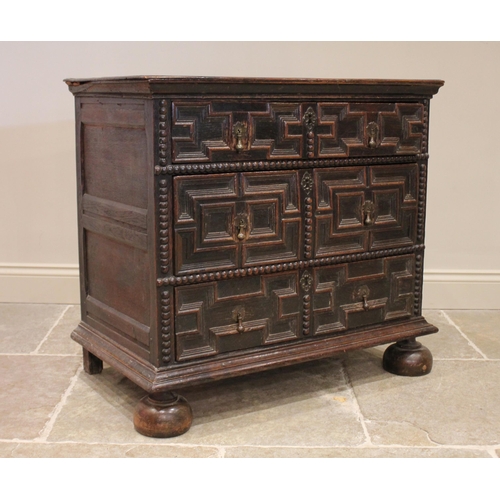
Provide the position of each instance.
(233, 225)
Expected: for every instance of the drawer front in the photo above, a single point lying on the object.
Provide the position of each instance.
(361, 293)
(242, 131)
(228, 221)
(213, 318)
(370, 129)
(359, 209)
(268, 309)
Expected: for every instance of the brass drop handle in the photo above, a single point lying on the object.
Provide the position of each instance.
(242, 225)
(372, 130)
(362, 293)
(368, 209)
(238, 316)
(365, 302)
(240, 328)
(239, 132)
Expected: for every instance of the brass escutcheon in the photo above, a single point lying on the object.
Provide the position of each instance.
(310, 118)
(306, 281)
(307, 183)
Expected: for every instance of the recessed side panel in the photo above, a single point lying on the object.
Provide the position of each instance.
(114, 220)
(114, 151)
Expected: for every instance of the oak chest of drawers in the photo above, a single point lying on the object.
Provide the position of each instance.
(231, 225)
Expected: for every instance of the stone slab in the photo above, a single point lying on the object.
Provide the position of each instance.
(59, 341)
(84, 450)
(456, 404)
(24, 326)
(360, 452)
(31, 388)
(482, 328)
(307, 404)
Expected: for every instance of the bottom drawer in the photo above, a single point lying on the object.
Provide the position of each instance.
(362, 293)
(223, 316)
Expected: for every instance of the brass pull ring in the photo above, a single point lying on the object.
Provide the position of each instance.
(309, 119)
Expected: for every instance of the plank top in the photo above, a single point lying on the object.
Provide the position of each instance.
(250, 86)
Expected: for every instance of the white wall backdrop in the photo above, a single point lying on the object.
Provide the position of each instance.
(38, 236)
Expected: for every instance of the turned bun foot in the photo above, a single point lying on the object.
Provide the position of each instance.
(162, 415)
(408, 358)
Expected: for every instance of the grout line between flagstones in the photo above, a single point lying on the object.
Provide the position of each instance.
(452, 323)
(468, 360)
(47, 428)
(357, 408)
(490, 449)
(51, 330)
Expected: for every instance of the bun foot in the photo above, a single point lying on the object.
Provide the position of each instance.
(408, 358)
(162, 415)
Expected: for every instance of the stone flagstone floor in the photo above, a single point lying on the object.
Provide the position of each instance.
(346, 406)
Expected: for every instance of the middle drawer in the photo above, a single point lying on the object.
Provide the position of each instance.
(236, 220)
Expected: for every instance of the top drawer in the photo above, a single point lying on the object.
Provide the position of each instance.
(214, 131)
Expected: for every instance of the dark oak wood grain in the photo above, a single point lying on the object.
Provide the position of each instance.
(233, 225)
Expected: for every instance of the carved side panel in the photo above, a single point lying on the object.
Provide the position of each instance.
(362, 293)
(218, 317)
(114, 211)
(370, 129)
